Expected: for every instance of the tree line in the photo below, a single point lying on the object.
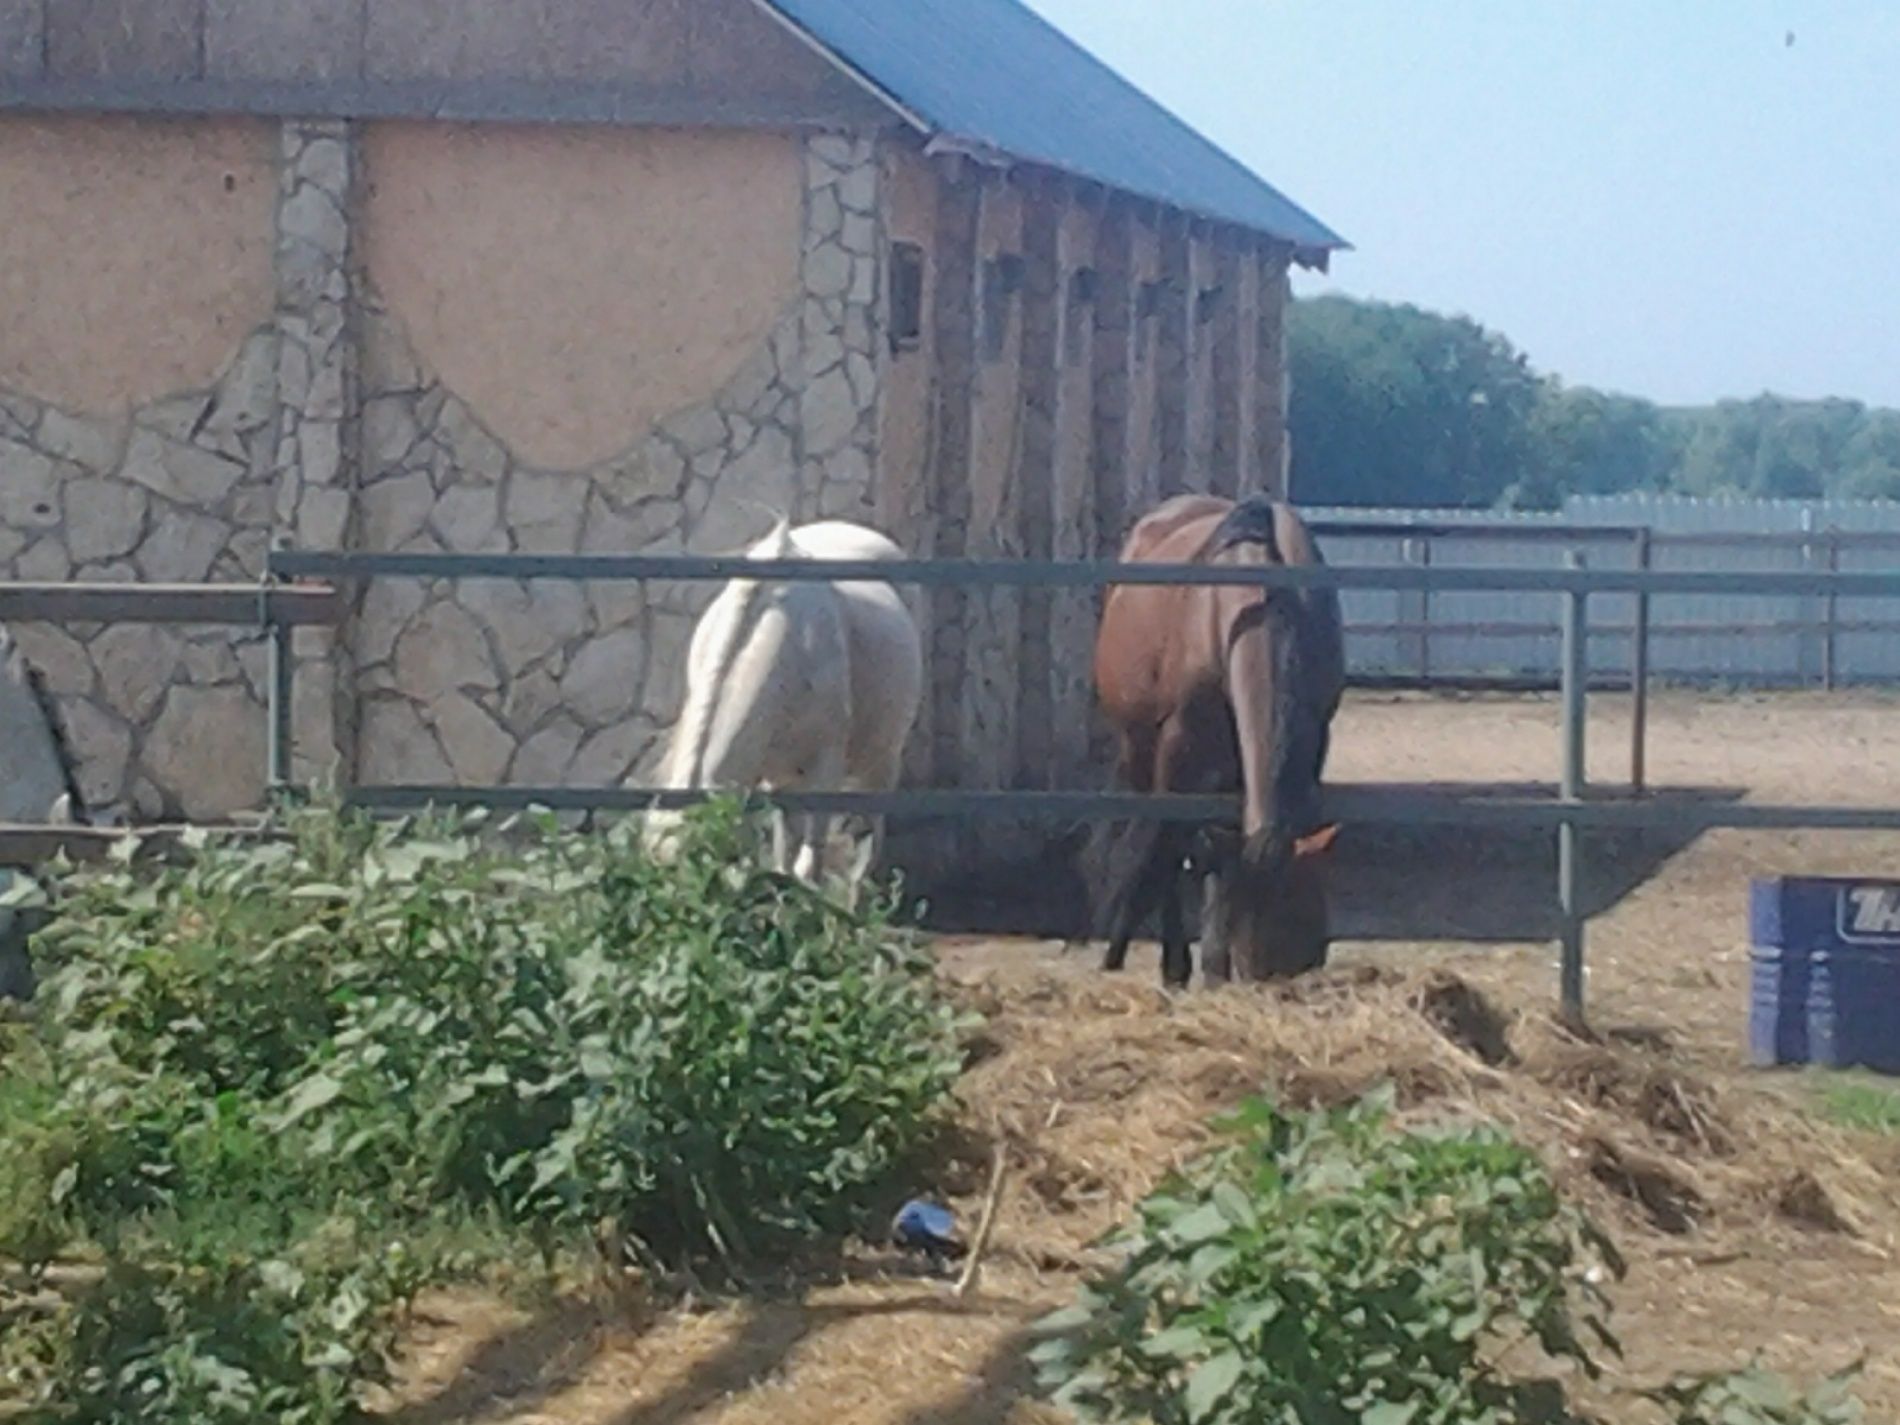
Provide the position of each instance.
(1394, 405)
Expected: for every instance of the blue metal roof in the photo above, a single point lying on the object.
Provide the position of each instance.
(993, 72)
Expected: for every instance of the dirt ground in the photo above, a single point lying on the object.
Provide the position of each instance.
(1750, 1224)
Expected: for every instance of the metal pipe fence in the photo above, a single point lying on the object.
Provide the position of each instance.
(1412, 641)
(1571, 813)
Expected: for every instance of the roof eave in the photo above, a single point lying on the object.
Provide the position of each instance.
(1315, 256)
(845, 67)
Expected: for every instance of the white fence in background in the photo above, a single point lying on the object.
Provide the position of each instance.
(1748, 641)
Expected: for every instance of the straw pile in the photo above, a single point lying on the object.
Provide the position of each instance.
(1100, 1086)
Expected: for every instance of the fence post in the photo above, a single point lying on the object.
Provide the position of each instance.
(1811, 633)
(1639, 674)
(279, 669)
(1576, 682)
(1831, 611)
(1423, 558)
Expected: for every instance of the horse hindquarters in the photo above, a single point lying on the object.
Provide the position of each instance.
(783, 712)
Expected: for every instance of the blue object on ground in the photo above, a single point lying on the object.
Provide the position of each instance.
(1826, 987)
(927, 1227)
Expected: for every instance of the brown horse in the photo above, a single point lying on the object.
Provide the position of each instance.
(1224, 689)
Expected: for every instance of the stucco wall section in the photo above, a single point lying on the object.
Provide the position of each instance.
(135, 255)
(575, 286)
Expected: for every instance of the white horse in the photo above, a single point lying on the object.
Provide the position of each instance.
(803, 685)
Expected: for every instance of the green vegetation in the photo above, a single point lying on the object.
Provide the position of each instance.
(1330, 1269)
(1754, 1397)
(1864, 1105)
(1326, 1269)
(272, 1092)
(1393, 405)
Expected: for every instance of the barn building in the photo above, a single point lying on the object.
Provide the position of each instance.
(599, 276)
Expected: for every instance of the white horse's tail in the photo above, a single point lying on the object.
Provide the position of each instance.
(696, 718)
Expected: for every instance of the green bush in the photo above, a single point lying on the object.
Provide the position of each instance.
(259, 1083)
(1329, 1270)
(1755, 1397)
(709, 1056)
(228, 1324)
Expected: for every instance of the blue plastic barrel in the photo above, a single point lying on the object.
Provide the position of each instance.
(1826, 981)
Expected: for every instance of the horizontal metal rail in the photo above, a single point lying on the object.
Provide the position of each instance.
(1527, 628)
(1794, 540)
(1030, 573)
(30, 845)
(1484, 533)
(1346, 804)
(237, 604)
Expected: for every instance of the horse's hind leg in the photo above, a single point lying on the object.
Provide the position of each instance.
(1156, 872)
(826, 776)
(1217, 958)
(1177, 966)
(781, 841)
(810, 863)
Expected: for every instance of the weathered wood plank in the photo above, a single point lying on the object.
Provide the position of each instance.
(1074, 613)
(1044, 198)
(1141, 471)
(953, 319)
(1247, 369)
(1198, 368)
(1270, 376)
(1174, 324)
(1226, 369)
(992, 669)
(1112, 375)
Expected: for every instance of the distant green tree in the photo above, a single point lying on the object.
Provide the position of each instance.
(1771, 447)
(1393, 405)
(1397, 406)
(1587, 442)
(1872, 460)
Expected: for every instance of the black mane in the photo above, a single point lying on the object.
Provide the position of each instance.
(1250, 521)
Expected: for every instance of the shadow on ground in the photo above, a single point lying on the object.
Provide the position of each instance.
(524, 1368)
(1435, 883)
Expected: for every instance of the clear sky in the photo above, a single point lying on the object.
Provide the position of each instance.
(1656, 196)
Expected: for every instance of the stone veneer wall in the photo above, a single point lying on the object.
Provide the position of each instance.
(325, 431)
(555, 683)
(163, 720)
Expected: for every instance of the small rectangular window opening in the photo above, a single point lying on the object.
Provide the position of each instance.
(1002, 280)
(1084, 286)
(907, 296)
